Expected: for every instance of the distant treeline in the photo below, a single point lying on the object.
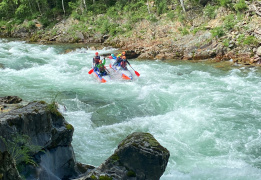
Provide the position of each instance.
(49, 12)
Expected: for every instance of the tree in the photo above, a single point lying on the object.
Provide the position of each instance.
(182, 5)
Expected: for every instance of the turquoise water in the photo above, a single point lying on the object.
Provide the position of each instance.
(206, 115)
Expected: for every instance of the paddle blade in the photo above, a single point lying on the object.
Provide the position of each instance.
(137, 73)
(90, 71)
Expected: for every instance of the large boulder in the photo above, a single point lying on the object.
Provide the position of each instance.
(47, 129)
(138, 157)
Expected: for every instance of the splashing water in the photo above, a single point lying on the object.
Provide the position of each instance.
(207, 117)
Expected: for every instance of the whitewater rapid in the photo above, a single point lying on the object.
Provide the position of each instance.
(206, 115)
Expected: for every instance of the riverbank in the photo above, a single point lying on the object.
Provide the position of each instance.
(202, 32)
(226, 36)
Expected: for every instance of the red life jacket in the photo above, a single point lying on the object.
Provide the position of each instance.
(96, 59)
(123, 63)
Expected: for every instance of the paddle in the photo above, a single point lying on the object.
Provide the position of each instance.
(135, 71)
(91, 71)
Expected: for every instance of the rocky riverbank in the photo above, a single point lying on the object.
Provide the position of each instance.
(36, 139)
(227, 36)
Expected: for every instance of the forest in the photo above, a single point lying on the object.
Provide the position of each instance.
(49, 12)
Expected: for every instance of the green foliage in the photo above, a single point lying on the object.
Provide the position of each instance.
(251, 40)
(115, 157)
(226, 42)
(209, 11)
(171, 15)
(131, 174)
(93, 177)
(240, 6)
(98, 8)
(105, 177)
(162, 7)
(53, 107)
(21, 149)
(229, 22)
(152, 18)
(69, 127)
(184, 31)
(224, 2)
(30, 25)
(240, 38)
(217, 32)
(113, 13)
(21, 11)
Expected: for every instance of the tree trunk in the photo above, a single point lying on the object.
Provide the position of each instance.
(63, 7)
(182, 5)
(39, 7)
(84, 5)
(148, 6)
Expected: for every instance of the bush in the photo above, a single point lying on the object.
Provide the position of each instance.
(183, 31)
(162, 7)
(152, 18)
(229, 22)
(217, 32)
(209, 11)
(226, 42)
(171, 15)
(240, 38)
(224, 2)
(250, 40)
(31, 25)
(112, 12)
(240, 6)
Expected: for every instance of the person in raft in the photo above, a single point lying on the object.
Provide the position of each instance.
(101, 67)
(119, 59)
(96, 60)
(124, 63)
(113, 56)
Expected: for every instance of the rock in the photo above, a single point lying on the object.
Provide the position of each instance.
(130, 54)
(83, 168)
(8, 103)
(47, 128)
(8, 169)
(10, 100)
(79, 36)
(138, 157)
(258, 51)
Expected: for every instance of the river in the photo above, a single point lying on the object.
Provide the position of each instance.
(206, 114)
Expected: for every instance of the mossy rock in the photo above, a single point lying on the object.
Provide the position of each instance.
(105, 178)
(69, 127)
(131, 174)
(53, 108)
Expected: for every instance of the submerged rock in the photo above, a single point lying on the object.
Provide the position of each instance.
(138, 157)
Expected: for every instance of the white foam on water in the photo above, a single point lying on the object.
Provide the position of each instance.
(209, 119)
